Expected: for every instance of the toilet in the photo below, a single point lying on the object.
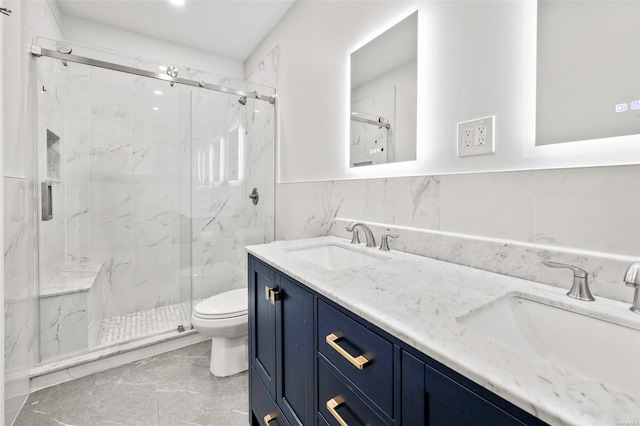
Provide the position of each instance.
(224, 317)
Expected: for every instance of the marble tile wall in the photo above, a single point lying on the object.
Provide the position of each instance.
(63, 325)
(506, 222)
(51, 119)
(20, 244)
(260, 160)
(134, 192)
(19, 292)
(223, 219)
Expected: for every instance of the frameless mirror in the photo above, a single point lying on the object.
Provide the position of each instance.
(383, 99)
(587, 70)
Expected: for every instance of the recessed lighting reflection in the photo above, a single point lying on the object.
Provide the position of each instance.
(156, 109)
(157, 92)
(177, 2)
(162, 68)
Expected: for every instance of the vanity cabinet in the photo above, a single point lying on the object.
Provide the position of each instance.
(281, 354)
(312, 362)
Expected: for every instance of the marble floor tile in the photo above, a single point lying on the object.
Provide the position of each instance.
(174, 388)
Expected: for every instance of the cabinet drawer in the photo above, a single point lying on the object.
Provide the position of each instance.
(355, 341)
(264, 408)
(342, 401)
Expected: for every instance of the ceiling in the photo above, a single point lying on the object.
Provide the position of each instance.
(229, 28)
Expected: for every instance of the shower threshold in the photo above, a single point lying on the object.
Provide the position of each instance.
(123, 342)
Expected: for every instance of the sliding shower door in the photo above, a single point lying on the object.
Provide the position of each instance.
(110, 166)
(232, 156)
(143, 197)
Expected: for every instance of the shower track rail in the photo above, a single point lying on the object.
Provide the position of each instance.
(378, 123)
(38, 51)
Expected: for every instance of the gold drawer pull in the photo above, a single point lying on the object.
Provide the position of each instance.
(269, 417)
(359, 361)
(332, 405)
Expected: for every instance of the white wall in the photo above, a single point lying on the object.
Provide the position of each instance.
(106, 37)
(572, 208)
(474, 66)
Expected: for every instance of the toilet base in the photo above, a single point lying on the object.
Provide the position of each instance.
(229, 355)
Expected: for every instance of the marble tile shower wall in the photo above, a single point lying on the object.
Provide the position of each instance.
(121, 186)
(124, 200)
(506, 222)
(51, 124)
(217, 203)
(260, 152)
(223, 220)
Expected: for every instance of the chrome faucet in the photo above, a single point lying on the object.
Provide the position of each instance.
(371, 241)
(632, 279)
(580, 288)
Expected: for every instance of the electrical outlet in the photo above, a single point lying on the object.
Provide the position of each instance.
(476, 137)
(467, 137)
(481, 135)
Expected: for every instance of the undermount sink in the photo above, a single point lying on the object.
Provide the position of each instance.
(596, 348)
(335, 257)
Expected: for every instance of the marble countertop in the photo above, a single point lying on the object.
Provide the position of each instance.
(417, 299)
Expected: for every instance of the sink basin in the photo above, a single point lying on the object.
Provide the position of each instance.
(335, 257)
(596, 348)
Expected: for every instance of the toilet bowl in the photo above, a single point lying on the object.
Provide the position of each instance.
(224, 317)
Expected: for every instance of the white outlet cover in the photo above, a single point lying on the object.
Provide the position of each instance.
(476, 148)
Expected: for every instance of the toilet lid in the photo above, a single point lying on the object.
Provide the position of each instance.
(224, 305)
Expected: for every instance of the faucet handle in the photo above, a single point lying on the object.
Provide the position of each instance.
(580, 288)
(384, 241)
(577, 272)
(632, 276)
(355, 238)
(632, 279)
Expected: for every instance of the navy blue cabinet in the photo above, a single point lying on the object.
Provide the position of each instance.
(312, 362)
(281, 352)
(431, 397)
(294, 352)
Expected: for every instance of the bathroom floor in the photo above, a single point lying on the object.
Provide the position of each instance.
(174, 388)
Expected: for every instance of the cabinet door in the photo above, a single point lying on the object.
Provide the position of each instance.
(262, 324)
(413, 394)
(295, 354)
(263, 408)
(449, 403)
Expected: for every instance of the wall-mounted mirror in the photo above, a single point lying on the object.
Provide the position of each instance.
(383, 98)
(587, 70)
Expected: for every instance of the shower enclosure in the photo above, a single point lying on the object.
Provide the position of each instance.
(144, 172)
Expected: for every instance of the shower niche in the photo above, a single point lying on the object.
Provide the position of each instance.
(144, 197)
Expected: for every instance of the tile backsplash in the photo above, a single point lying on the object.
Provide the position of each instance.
(505, 222)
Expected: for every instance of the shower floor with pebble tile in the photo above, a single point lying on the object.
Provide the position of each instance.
(171, 389)
(122, 328)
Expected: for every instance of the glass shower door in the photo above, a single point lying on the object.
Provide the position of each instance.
(233, 148)
(110, 207)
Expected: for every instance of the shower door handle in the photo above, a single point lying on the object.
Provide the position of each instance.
(46, 194)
